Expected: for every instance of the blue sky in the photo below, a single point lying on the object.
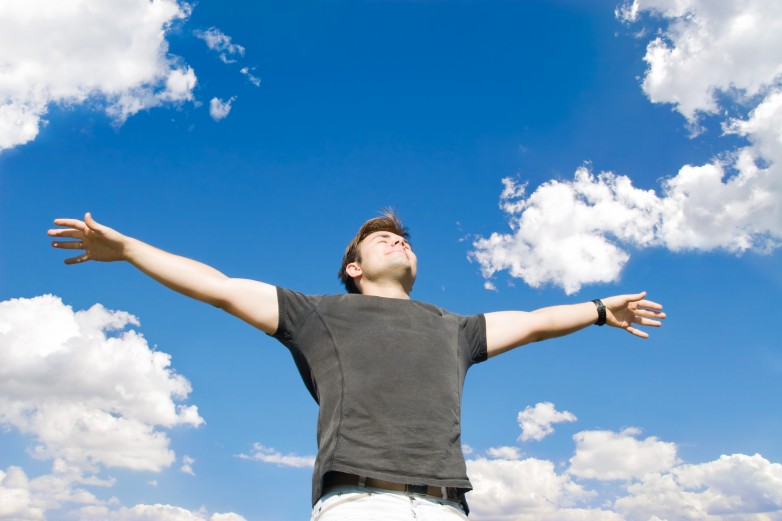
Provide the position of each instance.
(540, 153)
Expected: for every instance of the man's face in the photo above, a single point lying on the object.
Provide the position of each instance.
(386, 254)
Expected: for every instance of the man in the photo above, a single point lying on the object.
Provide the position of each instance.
(386, 371)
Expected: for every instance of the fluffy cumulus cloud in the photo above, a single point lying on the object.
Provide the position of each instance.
(620, 476)
(524, 490)
(735, 487)
(15, 498)
(536, 422)
(91, 394)
(610, 455)
(710, 49)
(268, 455)
(718, 59)
(155, 512)
(25, 499)
(87, 391)
(67, 52)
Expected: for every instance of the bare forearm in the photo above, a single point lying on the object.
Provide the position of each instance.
(189, 277)
(556, 321)
(508, 329)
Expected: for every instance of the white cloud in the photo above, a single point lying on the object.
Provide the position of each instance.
(630, 479)
(736, 487)
(565, 232)
(220, 42)
(713, 57)
(15, 498)
(528, 489)
(228, 52)
(269, 455)
(711, 49)
(112, 55)
(536, 422)
(187, 465)
(506, 452)
(89, 393)
(22, 498)
(608, 455)
(25, 499)
(255, 80)
(219, 109)
(226, 517)
(157, 512)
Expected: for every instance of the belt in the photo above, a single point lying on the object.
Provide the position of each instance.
(335, 479)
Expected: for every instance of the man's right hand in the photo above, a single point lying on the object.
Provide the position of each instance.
(99, 242)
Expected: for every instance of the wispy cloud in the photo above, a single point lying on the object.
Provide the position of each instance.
(228, 52)
(220, 109)
(187, 465)
(110, 55)
(247, 71)
(220, 42)
(268, 455)
(715, 59)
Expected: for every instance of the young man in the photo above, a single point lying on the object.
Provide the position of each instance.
(386, 371)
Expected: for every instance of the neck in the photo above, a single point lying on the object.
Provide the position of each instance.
(388, 290)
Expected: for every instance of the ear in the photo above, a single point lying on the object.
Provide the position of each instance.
(353, 270)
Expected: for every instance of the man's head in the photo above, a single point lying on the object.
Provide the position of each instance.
(381, 236)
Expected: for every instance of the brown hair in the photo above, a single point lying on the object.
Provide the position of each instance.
(387, 222)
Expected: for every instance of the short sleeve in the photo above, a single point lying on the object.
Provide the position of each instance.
(473, 329)
(294, 308)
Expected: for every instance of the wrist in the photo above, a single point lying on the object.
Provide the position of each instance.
(601, 312)
(128, 248)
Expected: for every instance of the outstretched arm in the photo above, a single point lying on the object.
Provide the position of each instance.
(508, 329)
(252, 301)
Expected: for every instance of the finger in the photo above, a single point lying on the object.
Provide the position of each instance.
(637, 332)
(649, 304)
(649, 313)
(78, 260)
(635, 297)
(68, 245)
(66, 232)
(647, 322)
(71, 223)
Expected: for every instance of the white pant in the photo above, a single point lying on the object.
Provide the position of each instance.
(353, 503)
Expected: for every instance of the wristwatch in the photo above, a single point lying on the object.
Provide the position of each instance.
(601, 312)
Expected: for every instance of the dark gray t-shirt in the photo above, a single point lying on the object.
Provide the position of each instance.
(388, 376)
